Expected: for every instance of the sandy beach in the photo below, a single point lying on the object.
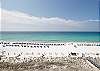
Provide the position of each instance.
(49, 56)
(55, 64)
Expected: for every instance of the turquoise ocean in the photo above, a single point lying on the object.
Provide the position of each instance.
(51, 36)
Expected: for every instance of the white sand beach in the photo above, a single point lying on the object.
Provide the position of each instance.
(44, 52)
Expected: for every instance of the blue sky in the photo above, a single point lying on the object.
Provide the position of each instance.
(80, 12)
(73, 9)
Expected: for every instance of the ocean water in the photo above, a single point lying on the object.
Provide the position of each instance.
(46, 36)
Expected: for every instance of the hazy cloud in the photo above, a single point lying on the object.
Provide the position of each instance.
(19, 21)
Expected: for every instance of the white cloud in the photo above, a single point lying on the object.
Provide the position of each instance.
(19, 21)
